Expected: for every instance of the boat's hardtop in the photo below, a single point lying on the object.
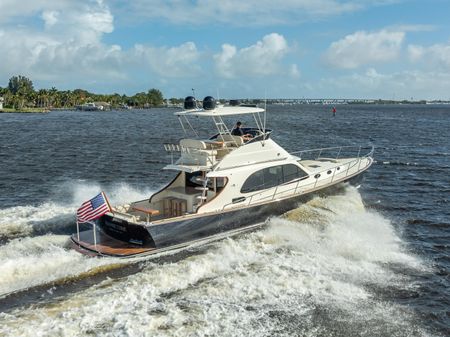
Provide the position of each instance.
(220, 110)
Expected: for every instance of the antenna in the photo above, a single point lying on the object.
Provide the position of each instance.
(265, 112)
(193, 94)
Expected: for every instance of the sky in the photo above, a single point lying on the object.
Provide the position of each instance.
(374, 49)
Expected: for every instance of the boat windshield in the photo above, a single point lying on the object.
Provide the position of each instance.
(224, 119)
(255, 134)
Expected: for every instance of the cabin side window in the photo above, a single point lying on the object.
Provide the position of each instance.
(292, 172)
(272, 176)
(254, 183)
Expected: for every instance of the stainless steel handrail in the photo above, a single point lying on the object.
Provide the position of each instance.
(351, 163)
(338, 148)
(172, 148)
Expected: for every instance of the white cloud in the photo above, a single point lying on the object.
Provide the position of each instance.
(224, 60)
(50, 18)
(85, 23)
(362, 48)
(45, 57)
(70, 44)
(13, 9)
(99, 21)
(415, 53)
(70, 49)
(244, 13)
(261, 59)
(436, 56)
(179, 61)
(399, 85)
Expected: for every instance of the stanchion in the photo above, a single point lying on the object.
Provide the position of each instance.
(78, 233)
(95, 235)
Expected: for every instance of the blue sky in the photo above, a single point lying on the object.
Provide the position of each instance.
(231, 48)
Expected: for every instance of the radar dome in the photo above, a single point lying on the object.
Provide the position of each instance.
(209, 103)
(190, 103)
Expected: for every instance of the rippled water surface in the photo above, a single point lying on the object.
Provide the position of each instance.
(368, 261)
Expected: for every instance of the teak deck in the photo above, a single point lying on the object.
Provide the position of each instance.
(106, 245)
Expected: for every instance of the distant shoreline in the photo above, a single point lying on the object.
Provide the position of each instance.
(270, 102)
(25, 110)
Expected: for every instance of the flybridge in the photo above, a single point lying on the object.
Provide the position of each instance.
(216, 111)
(221, 110)
(210, 108)
(203, 154)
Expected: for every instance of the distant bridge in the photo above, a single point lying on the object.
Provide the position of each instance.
(287, 101)
(336, 101)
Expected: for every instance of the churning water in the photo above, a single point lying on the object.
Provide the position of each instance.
(372, 261)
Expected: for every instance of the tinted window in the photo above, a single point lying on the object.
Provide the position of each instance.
(254, 183)
(272, 176)
(291, 172)
(262, 179)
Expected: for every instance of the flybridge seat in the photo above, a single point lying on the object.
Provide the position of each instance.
(193, 144)
(255, 133)
(231, 140)
(197, 152)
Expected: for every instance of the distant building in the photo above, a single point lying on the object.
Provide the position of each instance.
(94, 106)
(103, 106)
(1, 103)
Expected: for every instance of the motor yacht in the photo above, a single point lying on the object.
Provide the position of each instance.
(224, 184)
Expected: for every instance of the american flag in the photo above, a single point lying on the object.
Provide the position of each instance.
(93, 209)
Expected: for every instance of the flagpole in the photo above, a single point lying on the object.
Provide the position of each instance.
(107, 201)
(78, 232)
(88, 212)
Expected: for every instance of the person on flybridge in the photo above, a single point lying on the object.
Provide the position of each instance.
(237, 131)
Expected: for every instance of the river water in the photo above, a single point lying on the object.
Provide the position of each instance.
(368, 261)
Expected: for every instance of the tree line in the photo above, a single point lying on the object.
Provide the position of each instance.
(20, 94)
